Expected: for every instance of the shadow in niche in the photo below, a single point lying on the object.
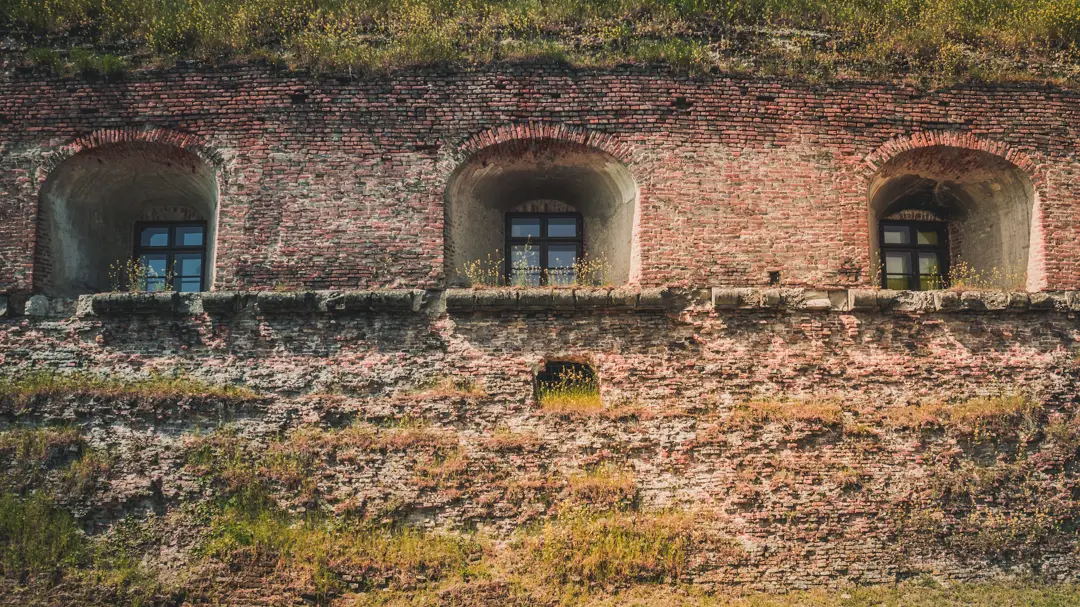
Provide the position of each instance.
(987, 202)
(91, 202)
(540, 176)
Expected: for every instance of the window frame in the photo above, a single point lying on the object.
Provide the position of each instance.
(541, 242)
(913, 249)
(171, 250)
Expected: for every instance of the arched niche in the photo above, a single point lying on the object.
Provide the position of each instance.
(987, 202)
(544, 175)
(91, 203)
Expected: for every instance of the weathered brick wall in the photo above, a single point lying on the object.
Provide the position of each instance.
(330, 182)
(807, 502)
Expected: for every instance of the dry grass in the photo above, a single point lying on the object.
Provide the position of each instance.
(505, 439)
(808, 411)
(979, 416)
(450, 387)
(39, 444)
(603, 487)
(25, 389)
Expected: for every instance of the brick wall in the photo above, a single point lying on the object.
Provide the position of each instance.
(330, 182)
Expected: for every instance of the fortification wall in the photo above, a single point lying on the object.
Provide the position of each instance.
(856, 477)
(336, 182)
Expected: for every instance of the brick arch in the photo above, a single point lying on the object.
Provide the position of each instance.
(529, 134)
(83, 190)
(992, 194)
(925, 139)
(142, 134)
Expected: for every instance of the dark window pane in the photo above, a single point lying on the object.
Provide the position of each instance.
(562, 227)
(155, 264)
(188, 285)
(897, 283)
(928, 263)
(188, 264)
(928, 237)
(525, 265)
(896, 235)
(561, 255)
(154, 237)
(897, 263)
(525, 227)
(189, 236)
(155, 284)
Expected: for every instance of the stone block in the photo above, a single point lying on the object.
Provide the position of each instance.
(814, 300)
(534, 299)
(839, 300)
(652, 299)
(623, 298)
(1072, 299)
(771, 298)
(915, 301)
(220, 302)
(37, 306)
(946, 300)
(460, 300)
(987, 301)
(1045, 300)
(348, 302)
(118, 304)
(592, 299)
(887, 298)
(562, 299)
(394, 301)
(1019, 301)
(862, 299)
(286, 302)
(496, 299)
(729, 298)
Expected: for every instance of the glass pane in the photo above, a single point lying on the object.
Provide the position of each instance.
(155, 264)
(928, 237)
(561, 260)
(154, 237)
(188, 264)
(188, 285)
(928, 263)
(524, 265)
(896, 234)
(897, 283)
(155, 284)
(897, 263)
(562, 227)
(525, 227)
(189, 236)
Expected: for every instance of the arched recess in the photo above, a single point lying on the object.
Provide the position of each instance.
(92, 201)
(986, 205)
(542, 175)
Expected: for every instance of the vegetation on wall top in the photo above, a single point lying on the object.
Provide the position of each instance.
(931, 41)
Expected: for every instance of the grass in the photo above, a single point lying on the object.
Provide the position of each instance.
(604, 487)
(984, 416)
(590, 549)
(450, 387)
(574, 391)
(812, 411)
(933, 40)
(39, 444)
(316, 553)
(25, 389)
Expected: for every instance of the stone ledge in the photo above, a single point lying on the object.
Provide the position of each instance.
(457, 301)
(493, 300)
(896, 301)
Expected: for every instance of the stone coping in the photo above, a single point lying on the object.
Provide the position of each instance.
(461, 301)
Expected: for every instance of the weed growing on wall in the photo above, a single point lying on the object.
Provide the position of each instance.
(964, 277)
(23, 389)
(572, 391)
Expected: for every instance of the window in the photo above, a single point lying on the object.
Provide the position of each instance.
(542, 248)
(915, 255)
(173, 254)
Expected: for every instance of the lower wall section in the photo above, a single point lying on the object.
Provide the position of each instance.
(809, 448)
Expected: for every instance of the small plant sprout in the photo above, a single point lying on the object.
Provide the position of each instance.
(567, 387)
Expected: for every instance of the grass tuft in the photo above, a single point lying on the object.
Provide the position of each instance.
(25, 389)
(810, 411)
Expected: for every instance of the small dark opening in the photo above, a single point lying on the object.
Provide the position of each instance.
(681, 103)
(774, 278)
(564, 375)
(766, 97)
(298, 97)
